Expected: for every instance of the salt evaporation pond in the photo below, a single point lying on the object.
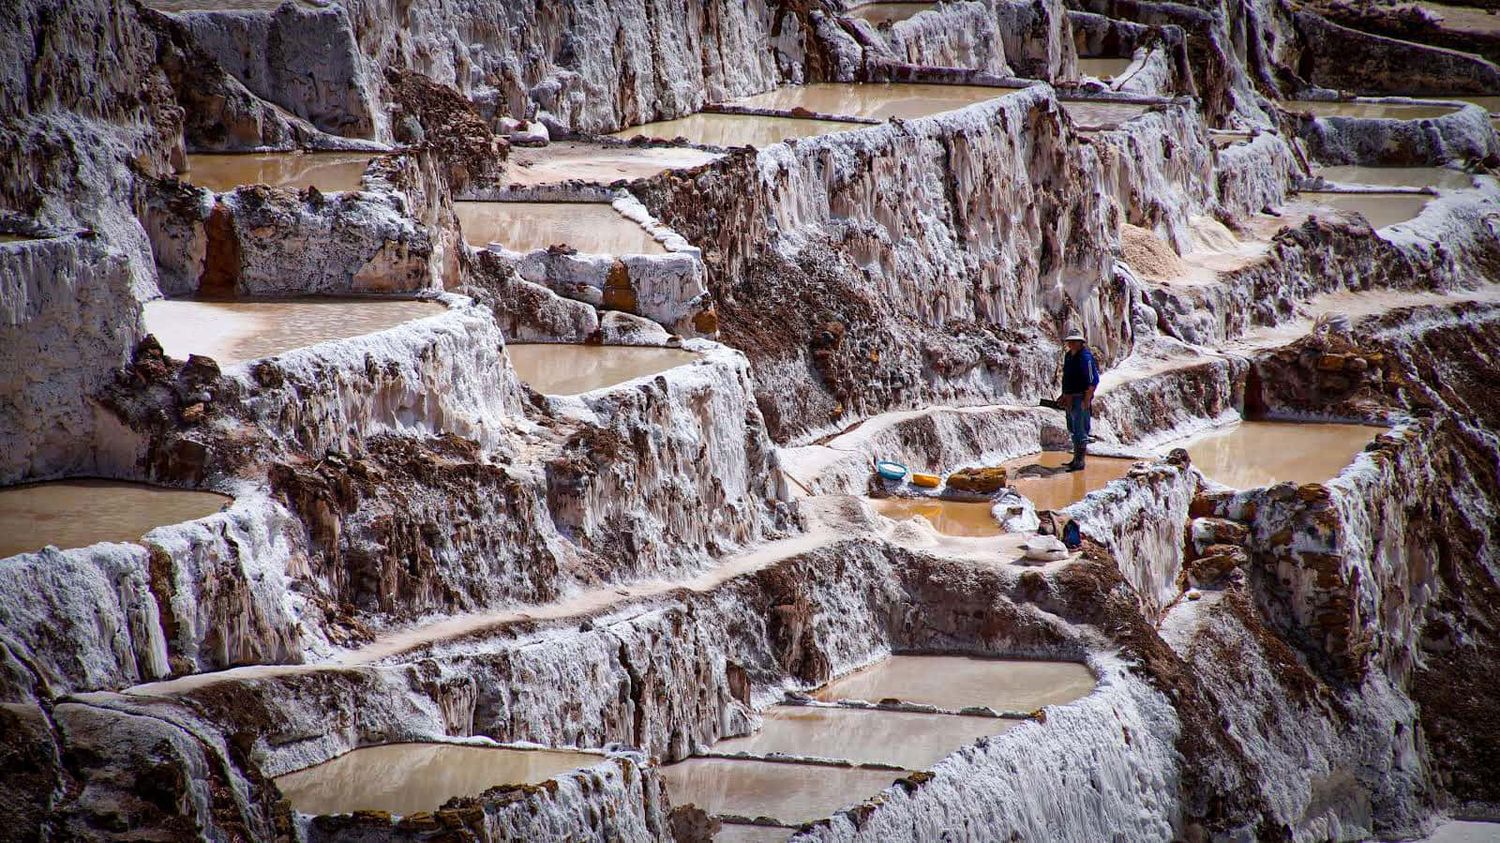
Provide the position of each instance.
(742, 833)
(885, 13)
(712, 129)
(1251, 454)
(329, 172)
(954, 518)
(14, 238)
(1490, 104)
(1068, 487)
(1439, 178)
(1102, 67)
(790, 793)
(874, 100)
(593, 228)
(236, 331)
(1093, 113)
(405, 778)
(78, 513)
(562, 161)
(1463, 19)
(1381, 209)
(572, 369)
(1388, 111)
(912, 740)
(956, 682)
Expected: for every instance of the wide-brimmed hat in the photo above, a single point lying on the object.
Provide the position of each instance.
(1075, 336)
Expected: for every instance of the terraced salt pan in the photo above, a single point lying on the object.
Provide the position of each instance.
(567, 161)
(236, 331)
(1461, 831)
(791, 793)
(956, 682)
(593, 228)
(564, 369)
(1389, 111)
(954, 518)
(1102, 67)
(1102, 114)
(741, 833)
(214, 5)
(1067, 488)
(405, 778)
(329, 172)
(14, 238)
(1381, 209)
(1252, 454)
(1490, 104)
(875, 100)
(883, 13)
(1463, 19)
(1440, 178)
(912, 740)
(712, 129)
(78, 513)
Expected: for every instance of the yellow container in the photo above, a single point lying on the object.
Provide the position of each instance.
(926, 481)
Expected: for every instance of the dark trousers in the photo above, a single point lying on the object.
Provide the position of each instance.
(1080, 418)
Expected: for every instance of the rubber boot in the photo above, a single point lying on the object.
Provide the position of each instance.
(1077, 463)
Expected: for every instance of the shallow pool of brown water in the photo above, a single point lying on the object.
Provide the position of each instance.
(883, 13)
(1069, 487)
(572, 369)
(954, 518)
(329, 172)
(78, 513)
(405, 778)
(726, 130)
(1253, 454)
(912, 740)
(1380, 209)
(875, 100)
(236, 331)
(791, 793)
(567, 161)
(1440, 178)
(1389, 111)
(1102, 67)
(593, 228)
(956, 682)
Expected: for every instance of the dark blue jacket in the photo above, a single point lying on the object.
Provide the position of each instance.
(1079, 372)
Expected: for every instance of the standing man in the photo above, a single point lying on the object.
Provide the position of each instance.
(1080, 377)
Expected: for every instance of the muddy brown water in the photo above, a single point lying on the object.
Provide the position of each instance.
(912, 740)
(1390, 111)
(876, 100)
(593, 228)
(960, 681)
(78, 513)
(740, 833)
(736, 129)
(236, 331)
(1440, 178)
(14, 238)
(954, 518)
(329, 172)
(1102, 113)
(1066, 488)
(1464, 19)
(791, 793)
(567, 161)
(1253, 454)
(571, 369)
(214, 5)
(405, 778)
(1102, 67)
(882, 13)
(1490, 104)
(1381, 209)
